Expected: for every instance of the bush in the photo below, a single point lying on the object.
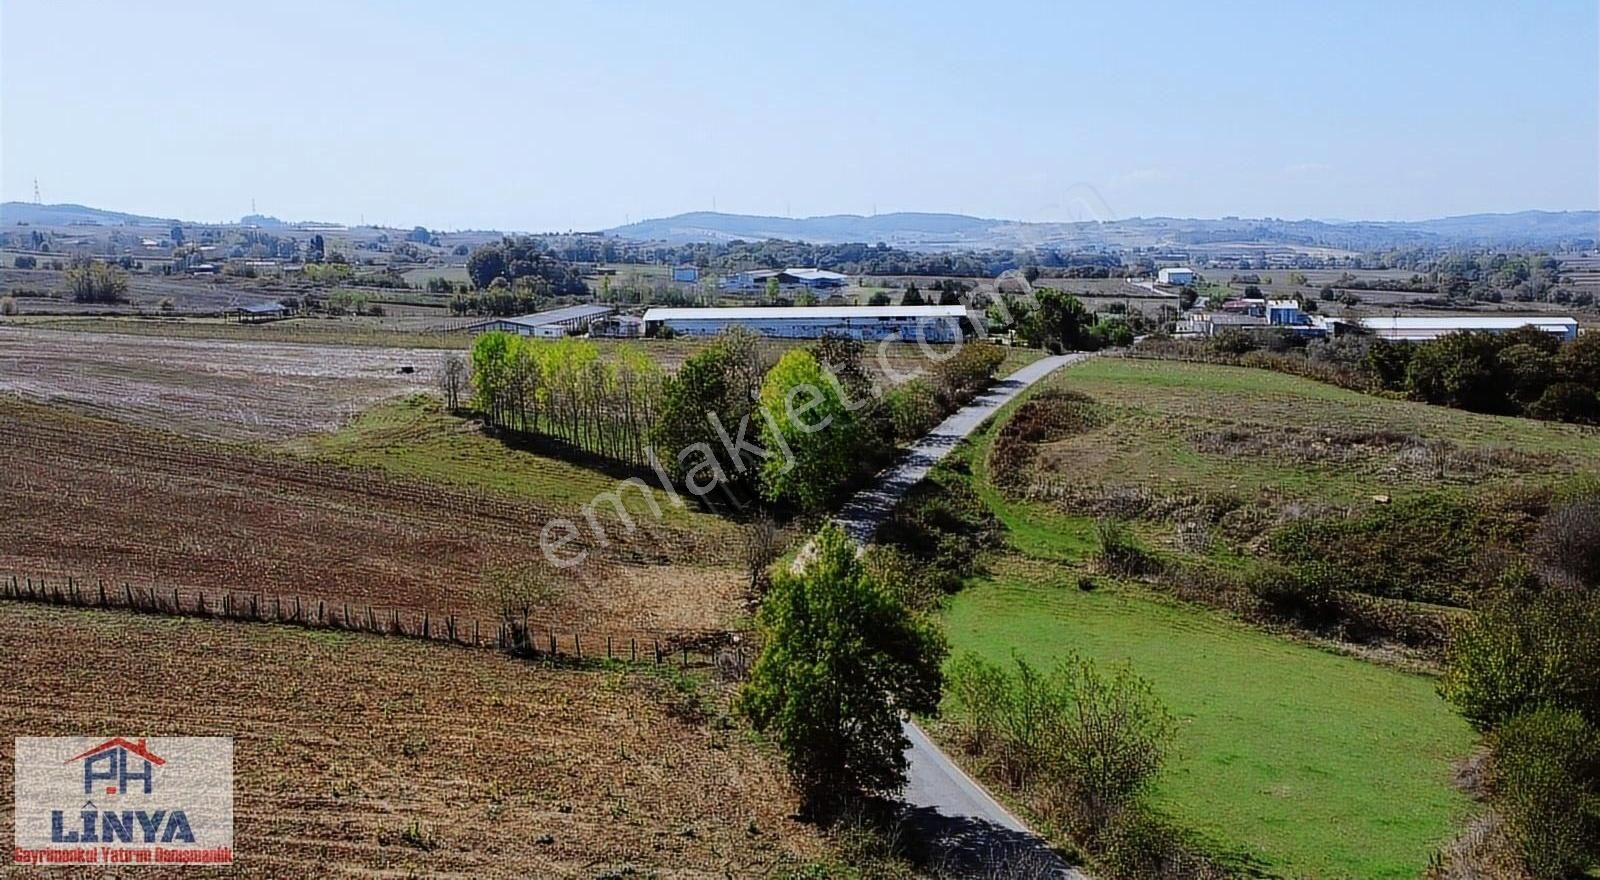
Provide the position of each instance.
(1086, 745)
(1308, 594)
(913, 408)
(1569, 543)
(1547, 789)
(1120, 552)
(944, 527)
(8, 305)
(1526, 648)
(25, 262)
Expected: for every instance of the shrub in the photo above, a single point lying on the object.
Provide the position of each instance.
(913, 408)
(944, 527)
(25, 262)
(8, 305)
(1307, 594)
(1547, 788)
(1569, 543)
(1085, 744)
(1119, 551)
(1525, 649)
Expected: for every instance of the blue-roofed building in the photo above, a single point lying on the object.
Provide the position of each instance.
(686, 274)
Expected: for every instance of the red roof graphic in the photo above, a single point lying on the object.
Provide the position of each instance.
(138, 748)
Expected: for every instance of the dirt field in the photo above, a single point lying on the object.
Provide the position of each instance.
(95, 499)
(348, 762)
(218, 390)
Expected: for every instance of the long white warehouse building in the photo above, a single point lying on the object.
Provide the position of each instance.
(907, 323)
(1420, 328)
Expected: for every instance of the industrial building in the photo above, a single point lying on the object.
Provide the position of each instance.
(756, 280)
(686, 274)
(552, 324)
(1419, 328)
(1178, 276)
(908, 323)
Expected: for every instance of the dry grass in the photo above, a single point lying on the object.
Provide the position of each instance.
(360, 756)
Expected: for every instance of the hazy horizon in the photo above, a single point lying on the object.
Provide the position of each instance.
(588, 116)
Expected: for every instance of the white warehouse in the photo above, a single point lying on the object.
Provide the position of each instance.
(906, 323)
(1176, 275)
(552, 324)
(1420, 328)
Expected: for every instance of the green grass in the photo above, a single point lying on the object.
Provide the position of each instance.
(1303, 761)
(414, 437)
(1300, 760)
(1158, 410)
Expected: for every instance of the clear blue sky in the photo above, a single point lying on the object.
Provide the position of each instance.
(557, 115)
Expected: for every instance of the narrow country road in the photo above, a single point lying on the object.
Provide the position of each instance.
(968, 830)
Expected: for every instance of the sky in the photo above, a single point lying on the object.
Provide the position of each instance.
(546, 116)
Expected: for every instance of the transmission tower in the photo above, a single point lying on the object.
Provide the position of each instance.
(36, 199)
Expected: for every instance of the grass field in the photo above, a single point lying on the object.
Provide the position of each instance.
(1297, 760)
(364, 756)
(1197, 428)
(1301, 761)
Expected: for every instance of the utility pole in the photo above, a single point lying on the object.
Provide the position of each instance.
(36, 199)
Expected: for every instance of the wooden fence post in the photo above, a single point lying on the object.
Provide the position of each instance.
(633, 649)
(577, 646)
(552, 642)
(658, 651)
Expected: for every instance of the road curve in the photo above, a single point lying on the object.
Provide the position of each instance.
(967, 830)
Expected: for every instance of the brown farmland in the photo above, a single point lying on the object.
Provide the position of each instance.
(364, 756)
(95, 499)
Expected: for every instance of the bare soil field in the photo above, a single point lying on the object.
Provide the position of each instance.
(211, 389)
(99, 500)
(360, 756)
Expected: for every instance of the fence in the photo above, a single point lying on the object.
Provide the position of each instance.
(519, 636)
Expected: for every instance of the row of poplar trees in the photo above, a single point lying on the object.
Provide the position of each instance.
(565, 390)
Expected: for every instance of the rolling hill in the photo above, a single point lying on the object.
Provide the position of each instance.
(957, 231)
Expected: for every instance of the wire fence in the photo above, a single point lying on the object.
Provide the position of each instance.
(519, 635)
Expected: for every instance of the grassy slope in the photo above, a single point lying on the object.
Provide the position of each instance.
(1307, 762)
(1158, 408)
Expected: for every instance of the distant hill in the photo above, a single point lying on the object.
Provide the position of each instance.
(12, 213)
(958, 231)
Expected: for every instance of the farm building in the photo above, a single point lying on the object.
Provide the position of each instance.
(552, 324)
(1177, 275)
(688, 274)
(617, 326)
(909, 323)
(756, 279)
(261, 312)
(1418, 328)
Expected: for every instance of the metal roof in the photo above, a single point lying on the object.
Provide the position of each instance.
(264, 308)
(801, 313)
(1465, 322)
(555, 316)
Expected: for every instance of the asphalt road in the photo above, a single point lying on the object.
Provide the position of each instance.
(967, 830)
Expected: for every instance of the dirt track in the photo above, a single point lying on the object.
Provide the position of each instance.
(218, 390)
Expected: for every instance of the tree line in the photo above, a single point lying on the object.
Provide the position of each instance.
(565, 390)
(732, 419)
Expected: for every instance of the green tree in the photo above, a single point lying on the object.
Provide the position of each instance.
(485, 264)
(812, 437)
(912, 296)
(881, 298)
(1461, 370)
(841, 660)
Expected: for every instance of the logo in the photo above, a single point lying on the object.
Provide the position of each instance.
(158, 801)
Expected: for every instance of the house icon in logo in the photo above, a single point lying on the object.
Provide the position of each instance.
(112, 761)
